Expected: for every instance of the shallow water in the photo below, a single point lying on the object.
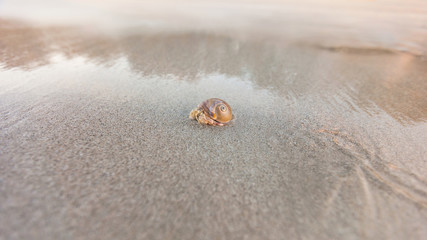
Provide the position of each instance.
(95, 140)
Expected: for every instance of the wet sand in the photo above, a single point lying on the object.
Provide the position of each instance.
(95, 140)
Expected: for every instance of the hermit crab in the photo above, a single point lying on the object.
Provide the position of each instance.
(214, 111)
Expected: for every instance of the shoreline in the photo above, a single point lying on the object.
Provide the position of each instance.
(95, 140)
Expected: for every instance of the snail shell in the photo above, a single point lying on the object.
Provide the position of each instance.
(217, 110)
(213, 111)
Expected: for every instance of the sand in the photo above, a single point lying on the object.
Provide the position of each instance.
(95, 140)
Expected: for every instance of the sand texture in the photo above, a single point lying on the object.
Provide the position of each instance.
(329, 141)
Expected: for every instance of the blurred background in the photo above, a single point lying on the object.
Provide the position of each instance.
(389, 24)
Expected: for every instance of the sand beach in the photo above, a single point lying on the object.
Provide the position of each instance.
(329, 140)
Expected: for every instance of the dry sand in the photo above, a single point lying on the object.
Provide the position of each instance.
(329, 141)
